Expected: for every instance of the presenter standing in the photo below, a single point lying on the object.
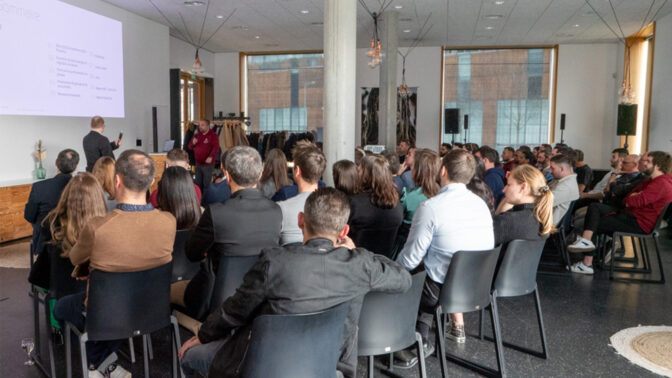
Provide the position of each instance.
(205, 145)
(96, 145)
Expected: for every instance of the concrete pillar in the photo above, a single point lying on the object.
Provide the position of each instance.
(340, 48)
(387, 118)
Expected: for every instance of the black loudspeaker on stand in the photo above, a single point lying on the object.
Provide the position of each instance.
(627, 121)
(562, 128)
(466, 127)
(451, 124)
(155, 130)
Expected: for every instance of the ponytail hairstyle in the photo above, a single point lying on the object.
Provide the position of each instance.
(543, 209)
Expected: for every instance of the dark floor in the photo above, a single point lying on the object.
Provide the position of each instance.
(580, 313)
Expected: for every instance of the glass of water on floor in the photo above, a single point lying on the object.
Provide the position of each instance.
(28, 345)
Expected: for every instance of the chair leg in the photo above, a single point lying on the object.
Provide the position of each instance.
(441, 340)
(660, 262)
(177, 345)
(68, 356)
(82, 352)
(540, 319)
(494, 315)
(36, 317)
(145, 355)
(421, 356)
(481, 335)
(149, 346)
(370, 367)
(50, 337)
(131, 349)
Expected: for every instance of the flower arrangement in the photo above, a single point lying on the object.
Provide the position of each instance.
(40, 154)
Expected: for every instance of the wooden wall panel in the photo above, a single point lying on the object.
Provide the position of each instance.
(12, 202)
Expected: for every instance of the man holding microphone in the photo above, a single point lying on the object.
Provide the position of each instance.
(205, 145)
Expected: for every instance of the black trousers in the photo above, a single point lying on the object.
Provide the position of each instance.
(428, 301)
(204, 176)
(606, 219)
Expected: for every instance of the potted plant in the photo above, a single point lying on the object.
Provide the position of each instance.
(39, 155)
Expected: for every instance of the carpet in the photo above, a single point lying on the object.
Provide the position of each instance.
(15, 255)
(647, 346)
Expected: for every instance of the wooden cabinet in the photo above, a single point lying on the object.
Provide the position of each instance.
(12, 202)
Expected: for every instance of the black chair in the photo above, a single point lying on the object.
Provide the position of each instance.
(296, 346)
(230, 273)
(123, 305)
(517, 276)
(559, 239)
(642, 251)
(387, 323)
(467, 288)
(183, 269)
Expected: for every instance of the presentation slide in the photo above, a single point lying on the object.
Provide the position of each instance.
(59, 60)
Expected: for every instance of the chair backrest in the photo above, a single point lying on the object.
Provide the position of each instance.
(183, 269)
(296, 346)
(230, 273)
(387, 320)
(122, 305)
(663, 215)
(468, 281)
(377, 240)
(517, 274)
(61, 282)
(566, 222)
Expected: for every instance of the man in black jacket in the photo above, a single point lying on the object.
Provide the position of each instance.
(44, 195)
(323, 272)
(96, 145)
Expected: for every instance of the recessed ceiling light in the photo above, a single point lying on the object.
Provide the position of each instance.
(407, 30)
(494, 16)
(257, 37)
(194, 3)
(499, 2)
(398, 6)
(576, 25)
(305, 11)
(489, 28)
(220, 16)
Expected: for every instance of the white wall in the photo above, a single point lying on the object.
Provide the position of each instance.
(227, 83)
(660, 121)
(182, 56)
(588, 77)
(146, 57)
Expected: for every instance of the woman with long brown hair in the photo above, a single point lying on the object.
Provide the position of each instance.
(274, 176)
(375, 211)
(103, 170)
(346, 176)
(526, 212)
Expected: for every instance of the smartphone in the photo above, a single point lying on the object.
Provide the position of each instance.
(121, 134)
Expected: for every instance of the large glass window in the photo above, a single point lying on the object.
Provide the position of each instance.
(284, 91)
(506, 93)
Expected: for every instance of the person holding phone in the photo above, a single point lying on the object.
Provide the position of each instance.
(205, 145)
(96, 145)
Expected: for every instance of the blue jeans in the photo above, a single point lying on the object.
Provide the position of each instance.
(199, 358)
(71, 308)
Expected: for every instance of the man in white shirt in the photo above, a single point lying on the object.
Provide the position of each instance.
(454, 220)
(597, 193)
(309, 164)
(564, 186)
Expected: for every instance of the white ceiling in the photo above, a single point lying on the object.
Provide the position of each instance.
(280, 24)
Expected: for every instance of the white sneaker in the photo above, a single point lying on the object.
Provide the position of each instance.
(116, 371)
(95, 374)
(580, 268)
(581, 245)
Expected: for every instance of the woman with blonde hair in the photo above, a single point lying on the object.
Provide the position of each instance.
(274, 176)
(103, 170)
(526, 212)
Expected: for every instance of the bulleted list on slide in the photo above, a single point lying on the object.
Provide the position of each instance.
(68, 61)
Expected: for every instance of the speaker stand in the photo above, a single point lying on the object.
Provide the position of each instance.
(626, 142)
(562, 136)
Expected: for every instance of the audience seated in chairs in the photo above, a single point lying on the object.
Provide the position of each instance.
(80, 202)
(219, 190)
(425, 170)
(346, 177)
(375, 211)
(564, 186)
(241, 226)
(309, 164)
(133, 237)
(274, 175)
(44, 195)
(642, 208)
(623, 181)
(175, 158)
(526, 212)
(584, 174)
(434, 237)
(597, 193)
(495, 177)
(103, 171)
(297, 279)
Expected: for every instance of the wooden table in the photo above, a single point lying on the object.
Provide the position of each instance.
(13, 199)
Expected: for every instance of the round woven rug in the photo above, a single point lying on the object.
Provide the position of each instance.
(647, 346)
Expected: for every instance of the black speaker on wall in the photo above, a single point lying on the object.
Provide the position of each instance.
(627, 119)
(451, 121)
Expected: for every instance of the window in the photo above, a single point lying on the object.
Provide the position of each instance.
(506, 93)
(283, 91)
(191, 100)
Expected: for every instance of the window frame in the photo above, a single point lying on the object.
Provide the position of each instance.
(553, 81)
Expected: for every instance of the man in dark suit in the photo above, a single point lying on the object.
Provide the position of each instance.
(96, 145)
(44, 195)
(326, 270)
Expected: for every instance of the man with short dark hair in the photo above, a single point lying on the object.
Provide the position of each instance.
(564, 186)
(508, 159)
(584, 174)
(219, 190)
(324, 271)
(494, 176)
(131, 238)
(309, 164)
(444, 149)
(96, 145)
(402, 149)
(435, 237)
(205, 145)
(393, 164)
(405, 172)
(44, 196)
(642, 208)
(176, 157)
